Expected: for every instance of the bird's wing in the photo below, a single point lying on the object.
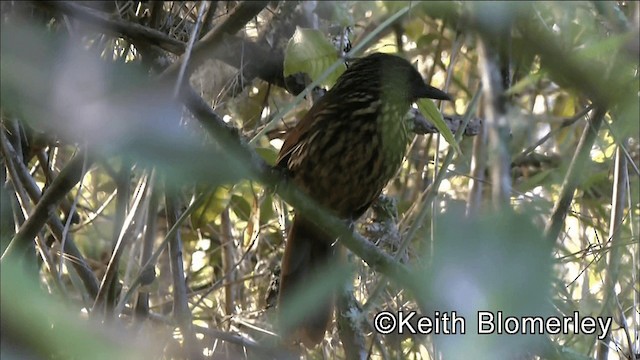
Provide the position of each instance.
(299, 132)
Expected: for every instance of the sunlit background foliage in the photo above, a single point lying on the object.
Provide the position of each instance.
(101, 157)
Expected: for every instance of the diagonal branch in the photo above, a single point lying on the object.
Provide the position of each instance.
(206, 47)
(251, 58)
(181, 312)
(574, 175)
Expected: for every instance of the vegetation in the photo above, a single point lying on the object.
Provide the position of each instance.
(141, 217)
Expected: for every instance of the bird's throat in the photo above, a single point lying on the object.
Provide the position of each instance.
(394, 133)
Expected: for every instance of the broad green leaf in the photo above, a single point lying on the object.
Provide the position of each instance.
(429, 110)
(311, 53)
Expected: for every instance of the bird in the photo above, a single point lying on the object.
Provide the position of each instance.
(342, 153)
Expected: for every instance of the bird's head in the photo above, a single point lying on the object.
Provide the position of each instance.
(393, 75)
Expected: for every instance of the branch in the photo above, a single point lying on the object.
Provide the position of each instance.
(122, 239)
(566, 122)
(252, 59)
(207, 47)
(55, 225)
(422, 126)
(43, 212)
(126, 29)
(181, 311)
(568, 67)
(491, 64)
(574, 175)
(150, 233)
(618, 202)
(349, 318)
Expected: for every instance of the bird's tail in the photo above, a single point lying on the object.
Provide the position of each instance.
(308, 251)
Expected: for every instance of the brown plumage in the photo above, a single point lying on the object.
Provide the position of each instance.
(342, 154)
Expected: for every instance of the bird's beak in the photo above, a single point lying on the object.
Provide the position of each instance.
(428, 91)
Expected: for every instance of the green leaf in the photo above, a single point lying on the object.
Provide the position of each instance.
(429, 110)
(311, 53)
(240, 207)
(207, 213)
(542, 178)
(523, 84)
(266, 209)
(415, 29)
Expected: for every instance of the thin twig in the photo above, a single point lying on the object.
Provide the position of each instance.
(618, 205)
(566, 122)
(150, 232)
(72, 211)
(573, 176)
(119, 248)
(187, 53)
(13, 162)
(67, 179)
(206, 47)
(109, 24)
(181, 310)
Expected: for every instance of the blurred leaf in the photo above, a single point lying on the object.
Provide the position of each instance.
(249, 104)
(35, 325)
(268, 154)
(430, 111)
(625, 122)
(311, 53)
(425, 41)
(336, 11)
(468, 275)
(539, 179)
(597, 183)
(565, 105)
(79, 98)
(604, 47)
(415, 29)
